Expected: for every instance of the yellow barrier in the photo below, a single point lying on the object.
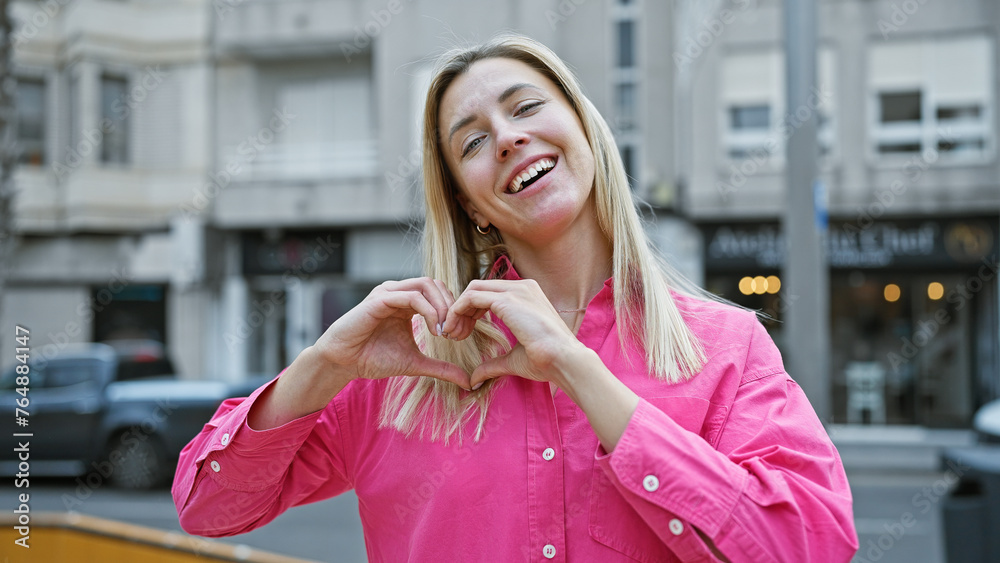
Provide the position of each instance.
(60, 537)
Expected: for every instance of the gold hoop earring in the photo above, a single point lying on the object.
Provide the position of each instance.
(489, 228)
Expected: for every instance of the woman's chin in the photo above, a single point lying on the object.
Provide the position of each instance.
(544, 226)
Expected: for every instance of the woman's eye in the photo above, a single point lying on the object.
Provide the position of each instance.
(475, 143)
(527, 107)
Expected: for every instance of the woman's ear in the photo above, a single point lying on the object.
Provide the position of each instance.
(471, 211)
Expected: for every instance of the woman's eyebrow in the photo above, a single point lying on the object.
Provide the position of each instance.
(510, 91)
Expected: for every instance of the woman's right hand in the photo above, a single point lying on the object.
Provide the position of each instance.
(375, 339)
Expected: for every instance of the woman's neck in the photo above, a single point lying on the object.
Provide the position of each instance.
(571, 269)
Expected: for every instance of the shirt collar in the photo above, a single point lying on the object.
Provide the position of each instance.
(503, 269)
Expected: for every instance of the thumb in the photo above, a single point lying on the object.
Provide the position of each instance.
(439, 369)
(499, 366)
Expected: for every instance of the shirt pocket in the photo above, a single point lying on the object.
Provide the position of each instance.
(613, 521)
(614, 524)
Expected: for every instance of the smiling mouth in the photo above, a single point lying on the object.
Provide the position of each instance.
(530, 175)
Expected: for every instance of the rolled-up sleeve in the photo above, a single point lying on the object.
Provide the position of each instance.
(772, 489)
(231, 479)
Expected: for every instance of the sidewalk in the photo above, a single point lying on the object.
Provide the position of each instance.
(895, 448)
(898, 487)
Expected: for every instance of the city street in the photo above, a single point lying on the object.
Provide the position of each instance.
(330, 531)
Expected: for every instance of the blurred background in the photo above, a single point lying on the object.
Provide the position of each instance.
(223, 179)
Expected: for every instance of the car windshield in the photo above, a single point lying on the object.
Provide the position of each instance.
(55, 373)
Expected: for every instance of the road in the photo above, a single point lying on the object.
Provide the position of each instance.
(330, 531)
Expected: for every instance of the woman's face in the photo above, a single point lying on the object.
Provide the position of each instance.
(517, 150)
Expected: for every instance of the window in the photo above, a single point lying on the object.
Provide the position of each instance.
(625, 89)
(750, 117)
(420, 84)
(335, 120)
(904, 106)
(932, 94)
(749, 127)
(56, 373)
(755, 122)
(69, 373)
(626, 44)
(72, 110)
(752, 86)
(625, 100)
(31, 121)
(626, 154)
(316, 120)
(114, 143)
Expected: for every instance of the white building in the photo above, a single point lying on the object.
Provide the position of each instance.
(113, 99)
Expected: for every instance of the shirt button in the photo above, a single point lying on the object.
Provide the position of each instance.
(676, 527)
(215, 466)
(549, 551)
(548, 454)
(651, 483)
(225, 438)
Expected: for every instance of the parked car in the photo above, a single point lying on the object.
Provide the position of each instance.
(987, 422)
(108, 412)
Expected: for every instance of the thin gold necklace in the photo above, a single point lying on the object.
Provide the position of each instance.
(571, 310)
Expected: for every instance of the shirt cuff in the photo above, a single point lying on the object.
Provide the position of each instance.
(243, 459)
(662, 463)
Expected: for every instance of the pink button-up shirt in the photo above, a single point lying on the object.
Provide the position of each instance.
(736, 452)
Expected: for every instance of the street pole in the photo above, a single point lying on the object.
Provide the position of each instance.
(806, 275)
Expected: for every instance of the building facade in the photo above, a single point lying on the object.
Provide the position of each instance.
(230, 176)
(113, 123)
(906, 102)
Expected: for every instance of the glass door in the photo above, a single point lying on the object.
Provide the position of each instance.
(939, 344)
(900, 349)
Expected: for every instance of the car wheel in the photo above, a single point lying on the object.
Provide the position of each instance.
(138, 464)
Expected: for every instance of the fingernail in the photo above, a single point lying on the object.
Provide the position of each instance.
(478, 385)
(439, 329)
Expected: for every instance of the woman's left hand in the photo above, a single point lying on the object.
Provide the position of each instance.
(544, 340)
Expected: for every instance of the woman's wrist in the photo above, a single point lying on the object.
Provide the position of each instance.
(574, 361)
(323, 371)
(306, 386)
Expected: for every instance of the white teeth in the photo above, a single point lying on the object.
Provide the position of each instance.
(531, 172)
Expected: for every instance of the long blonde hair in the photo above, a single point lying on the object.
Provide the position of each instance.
(456, 254)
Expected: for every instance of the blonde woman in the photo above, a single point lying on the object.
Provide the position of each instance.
(550, 391)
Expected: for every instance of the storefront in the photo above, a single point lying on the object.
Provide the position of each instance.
(913, 311)
(287, 275)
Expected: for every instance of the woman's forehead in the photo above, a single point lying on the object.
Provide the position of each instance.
(485, 83)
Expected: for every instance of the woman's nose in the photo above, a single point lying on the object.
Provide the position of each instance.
(508, 140)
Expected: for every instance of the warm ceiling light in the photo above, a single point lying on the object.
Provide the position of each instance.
(746, 285)
(935, 291)
(892, 293)
(773, 284)
(759, 285)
